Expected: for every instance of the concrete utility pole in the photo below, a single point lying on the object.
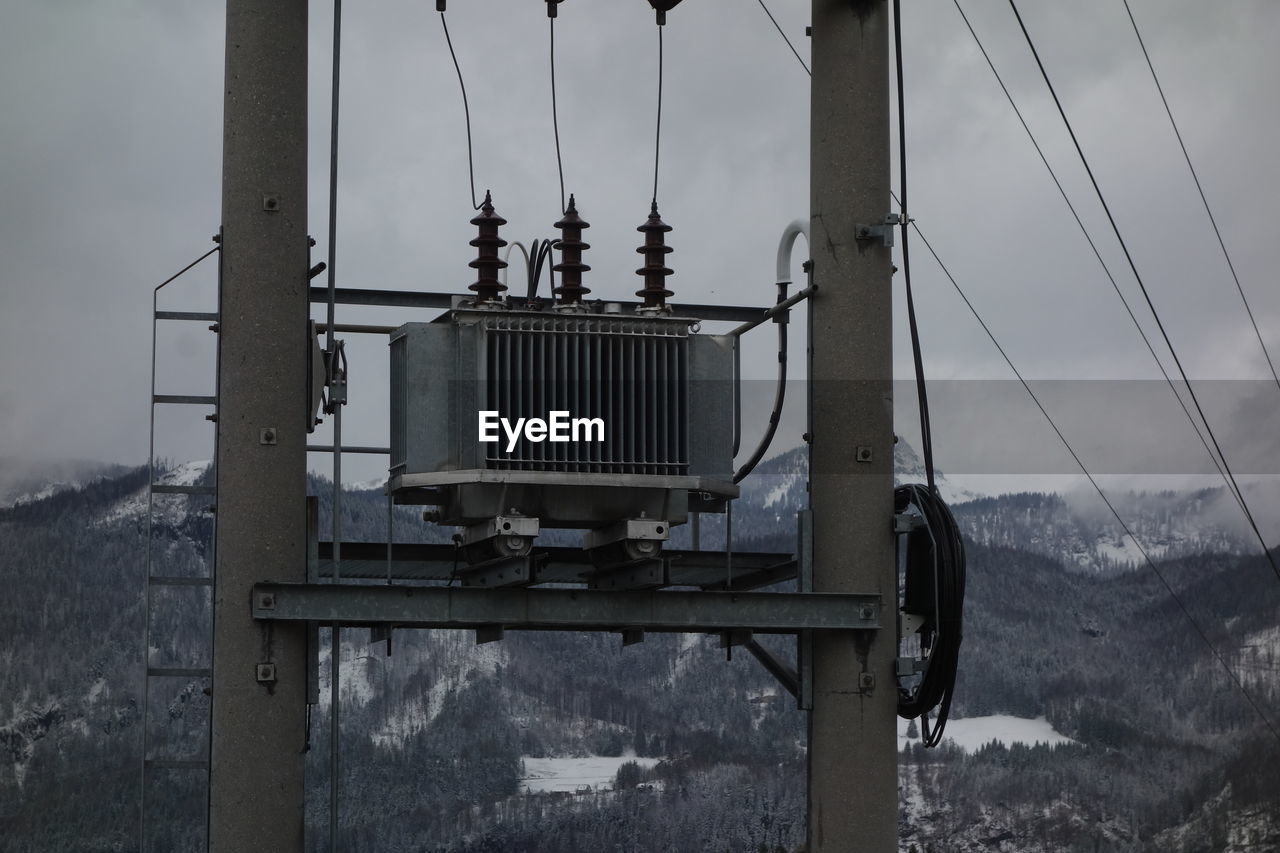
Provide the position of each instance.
(256, 767)
(853, 758)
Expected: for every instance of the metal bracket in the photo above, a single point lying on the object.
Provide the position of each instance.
(631, 636)
(882, 231)
(905, 522)
(501, 525)
(633, 528)
(640, 574)
(502, 571)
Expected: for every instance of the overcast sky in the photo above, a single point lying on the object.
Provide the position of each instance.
(110, 174)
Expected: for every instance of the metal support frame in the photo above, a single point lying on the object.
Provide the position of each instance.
(845, 671)
(558, 609)
(446, 301)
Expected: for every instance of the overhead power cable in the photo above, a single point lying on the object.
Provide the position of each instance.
(1205, 201)
(1124, 526)
(1145, 294)
(1097, 254)
(922, 397)
(800, 59)
(657, 131)
(471, 169)
(1098, 488)
(555, 116)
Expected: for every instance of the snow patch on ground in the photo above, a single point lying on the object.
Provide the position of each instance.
(1127, 551)
(169, 509)
(569, 774)
(409, 719)
(1258, 659)
(972, 733)
(785, 484)
(47, 492)
(684, 656)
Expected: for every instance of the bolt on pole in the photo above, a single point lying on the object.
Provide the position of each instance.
(852, 759)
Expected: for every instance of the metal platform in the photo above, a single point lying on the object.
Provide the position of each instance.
(709, 570)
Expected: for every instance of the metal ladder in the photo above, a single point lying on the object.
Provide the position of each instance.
(173, 789)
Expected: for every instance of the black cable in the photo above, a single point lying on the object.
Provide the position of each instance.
(1145, 294)
(471, 170)
(1212, 219)
(922, 396)
(1097, 488)
(1097, 254)
(187, 267)
(934, 591)
(555, 117)
(539, 251)
(657, 132)
(784, 38)
(779, 397)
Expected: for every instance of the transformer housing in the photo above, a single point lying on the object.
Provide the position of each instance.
(661, 392)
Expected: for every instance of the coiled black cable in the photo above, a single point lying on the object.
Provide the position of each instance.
(933, 590)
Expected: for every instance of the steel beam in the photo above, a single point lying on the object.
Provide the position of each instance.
(565, 609)
(259, 727)
(444, 301)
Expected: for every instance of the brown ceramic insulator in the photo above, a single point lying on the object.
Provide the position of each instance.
(571, 267)
(487, 288)
(655, 272)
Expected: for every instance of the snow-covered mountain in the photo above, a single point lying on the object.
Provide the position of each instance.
(439, 729)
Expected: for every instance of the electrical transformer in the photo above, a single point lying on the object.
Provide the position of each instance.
(576, 415)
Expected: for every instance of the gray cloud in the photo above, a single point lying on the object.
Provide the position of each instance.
(109, 175)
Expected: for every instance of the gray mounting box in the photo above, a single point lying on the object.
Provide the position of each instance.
(654, 401)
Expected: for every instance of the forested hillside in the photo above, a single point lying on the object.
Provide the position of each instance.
(1167, 754)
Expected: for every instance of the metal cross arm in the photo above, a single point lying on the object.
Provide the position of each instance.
(566, 609)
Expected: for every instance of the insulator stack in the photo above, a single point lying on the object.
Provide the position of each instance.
(571, 267)
(655, 272)
(487, 288)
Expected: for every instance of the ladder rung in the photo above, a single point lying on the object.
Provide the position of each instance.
(187, 315)
(176, 764)
(179, 672)
(166, 489)
(195, 399)
(179, 580)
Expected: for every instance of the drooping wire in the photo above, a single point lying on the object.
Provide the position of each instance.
(1146, 557)
(1145, 294)
(466, 109)
(657, 131)
(1097, 254)
(922, 396)
(555, 116)
(1098, 488)
(803, 64)
(1205, 201)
